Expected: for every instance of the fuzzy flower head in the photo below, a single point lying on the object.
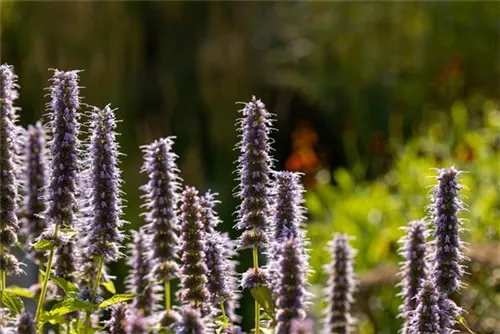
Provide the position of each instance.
(447, 204)
(119, 315)
(66, 261)
(138, 280)
(208, 215)
(104, 234)
(191, 322)
(425, 319)
(414, 269)
(340, 288)
(26, 324)
(64, 147)
(218, 249)
(291, 292)
(254, 170)
(136, 323)
(194, 270)
(161, 195)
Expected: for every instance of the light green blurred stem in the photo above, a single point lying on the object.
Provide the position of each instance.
(257, 306)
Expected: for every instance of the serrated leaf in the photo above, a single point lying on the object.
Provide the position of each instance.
(68, 306)
(65, 285)
(43, 245)
(110, 286)
(21, 292)
(12, 302)
(263, 296)
(116, 299)
(463, 322)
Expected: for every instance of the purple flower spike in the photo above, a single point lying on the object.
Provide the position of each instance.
(194, 291)
(118, 321)
(341, 285)
(254, 170)
(162, 195)
(66, 262)
(138, 280)
(64, 147)
(303, 326)
(217, 261)
(9, 224)
(136, 324)
(103, 233)
(190, 323)
(414, 269)
(208, 215)
(425, 319)
(291, 293)
(25, 324)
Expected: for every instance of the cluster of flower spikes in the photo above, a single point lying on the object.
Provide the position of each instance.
(340, 287)
(9, 224)
(447, 257)
(35, 182)
(138, 281)
(104, 227)
(161, 195)
(194, 271)
(414, 269)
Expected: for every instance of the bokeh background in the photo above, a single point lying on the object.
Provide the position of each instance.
(368, 97)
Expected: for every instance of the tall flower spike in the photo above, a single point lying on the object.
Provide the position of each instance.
(25, 324)
(191, 322)
(136, 324)
(9, 224)
(66, 261)
(291, 293)
(162, 195)
(414, 268)
(35, 182)
(254, 171)
(217, 261)
(209, 217)
(103, 234)
(341, 285)
(64, 148)
(119, 315)
(138, 281)
(425, 319)
(193, 271)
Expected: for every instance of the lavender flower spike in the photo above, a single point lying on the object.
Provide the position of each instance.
(414, 269)
(104, 235)
(64, 147)
(254, 171)
(119, 315)
(190, 323)
(425, 319)
(341, 285)
(291, 293)
(303, 326)
(9, 224)
(162, 194)
(194, 291)
(138, 281)
(136, 324)
(35, 183)
(26, 324)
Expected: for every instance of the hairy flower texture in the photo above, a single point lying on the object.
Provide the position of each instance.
(414, 268)
(291, 280)
(138, 281)
(169, 318)
(66, 262)
(136, 324)
(35, 183)
(191, 322)
(254, 170)
(341, 285)
(25, 324)
(448, 313)
(161, 194)
(253, 278)
(103, 234)
(209, 217)
(302, 326)
(64, 148)
(119, 315)
(194, 291)
(425, 319)
(217, 262)
(9, 224)
(447, 203)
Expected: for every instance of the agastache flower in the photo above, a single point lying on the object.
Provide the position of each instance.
(291, 280)
(425, 319)
(138, 280)
(119, 315)
(136, 324)
(66, 261)
(209, 217)
(162, 195)
(341, 285)
(302, 326)
(194, 271)
(216, 259)
(414, 269)
(9, 224)
(191, 322)
(254, 171)
(64, 148)
(25, 324)
(103, 234)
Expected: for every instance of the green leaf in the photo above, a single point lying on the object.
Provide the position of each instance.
(65, 285)
(67, 306)
(463, 322)
(263, 296)
(12, 302)
(21, 292)
(110, 286)
(116, 299)
(43, 245)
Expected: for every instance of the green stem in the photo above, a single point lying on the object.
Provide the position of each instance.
(46, 277)
(167, 295)
(96, 286)
(2, 282)
(257, 306)
(226, 321)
